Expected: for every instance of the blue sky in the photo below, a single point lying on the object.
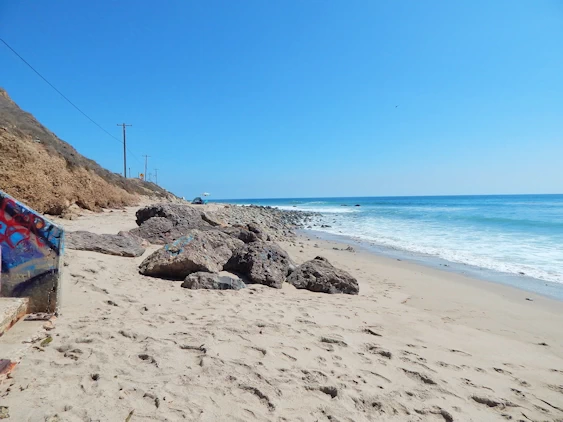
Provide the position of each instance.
(254, 98)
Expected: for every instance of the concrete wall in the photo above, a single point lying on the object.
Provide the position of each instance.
(31, 257)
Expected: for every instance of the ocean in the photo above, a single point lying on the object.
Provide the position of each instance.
(512, 239)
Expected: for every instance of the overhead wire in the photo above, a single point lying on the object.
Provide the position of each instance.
(67, 99)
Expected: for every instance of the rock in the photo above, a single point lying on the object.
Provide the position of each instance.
(210, 220)
(325, 226)
(350, 249)
(138, 239)
(198, 250)
(240, 233)
(292, 267)
(255, 228)
(158, 230)
(262, 262)
(164, 223)
(111, 244)
(318, 275)
(247, 233)
(213, 281)
(357, 205)
(178, 214)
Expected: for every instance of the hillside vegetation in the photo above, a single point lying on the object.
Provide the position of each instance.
(48, 174)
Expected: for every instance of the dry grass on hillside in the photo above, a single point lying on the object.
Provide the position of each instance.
(49, 175)
(48, 184)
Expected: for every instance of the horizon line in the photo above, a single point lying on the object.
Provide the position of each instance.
(390, 196)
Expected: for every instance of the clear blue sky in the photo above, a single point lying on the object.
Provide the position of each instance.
(257, 98)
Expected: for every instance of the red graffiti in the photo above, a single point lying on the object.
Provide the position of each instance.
(23, 223)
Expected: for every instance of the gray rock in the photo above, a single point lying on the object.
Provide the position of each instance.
(111, 244)
(240, 233)
(261, 262)
(255, 228)
(197, 250)
(158, 230)
(318, 275)
(164, 223)
(213, 281)
(178, 214)
(210, 219)
(134, 237)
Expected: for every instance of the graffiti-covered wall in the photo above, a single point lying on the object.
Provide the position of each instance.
(31, 255)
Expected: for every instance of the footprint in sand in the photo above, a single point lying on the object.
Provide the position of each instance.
(502, 371)
(461, 352)
(469, 383)
(448, 365)
(425, 379)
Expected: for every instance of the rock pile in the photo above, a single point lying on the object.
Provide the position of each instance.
(278, 224)
(199, 247)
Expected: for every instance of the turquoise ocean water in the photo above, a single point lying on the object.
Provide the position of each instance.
(513, 239)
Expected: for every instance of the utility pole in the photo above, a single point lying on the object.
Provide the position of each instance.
(124, 150)
(146, 160)
(156, 176)
(129, 172)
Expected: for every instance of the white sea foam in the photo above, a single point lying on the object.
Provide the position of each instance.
(499, 251)
(312, 208)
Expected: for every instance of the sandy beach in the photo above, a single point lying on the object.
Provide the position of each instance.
(417, 344)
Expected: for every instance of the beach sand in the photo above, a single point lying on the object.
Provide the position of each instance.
(417, 344)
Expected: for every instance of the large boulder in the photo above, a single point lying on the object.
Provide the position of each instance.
(164, 223)
(111, 244)
(318, 275)
(197, 250)
(159, 231)
(213, 281)
(177, 213)
(261, 262)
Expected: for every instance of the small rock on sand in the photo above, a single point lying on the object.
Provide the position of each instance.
(213, 281)
(318, 275)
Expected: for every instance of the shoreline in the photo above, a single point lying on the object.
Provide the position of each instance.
(441, 291)
(511, 239)
(551, 290)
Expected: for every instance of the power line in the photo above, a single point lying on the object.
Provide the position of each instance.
(64, 96)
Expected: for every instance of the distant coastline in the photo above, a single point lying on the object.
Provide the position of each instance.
(516, 240)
